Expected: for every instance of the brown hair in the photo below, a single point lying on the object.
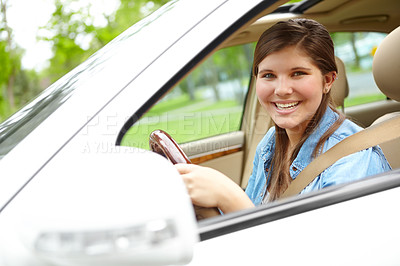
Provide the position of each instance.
(312, 38)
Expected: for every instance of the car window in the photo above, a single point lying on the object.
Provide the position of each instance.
(207, 102)
(356, 49)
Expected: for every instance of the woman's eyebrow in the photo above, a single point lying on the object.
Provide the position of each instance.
(300, 68)
(265, 70)
(292, 69)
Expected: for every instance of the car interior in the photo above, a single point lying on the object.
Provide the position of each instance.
(233, 152)
(337, 16)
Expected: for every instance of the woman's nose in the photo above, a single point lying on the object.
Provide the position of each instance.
(283, 87)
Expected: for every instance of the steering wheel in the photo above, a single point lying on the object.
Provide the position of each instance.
(162, 143)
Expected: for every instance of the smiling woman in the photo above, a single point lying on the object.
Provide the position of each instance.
(296, 94)
(294, 65)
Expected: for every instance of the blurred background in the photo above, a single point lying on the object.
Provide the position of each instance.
(42, 40)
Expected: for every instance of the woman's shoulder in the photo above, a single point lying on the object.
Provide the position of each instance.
(346, 129)
(354, 166)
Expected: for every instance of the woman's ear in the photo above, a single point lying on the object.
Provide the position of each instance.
(329, 78)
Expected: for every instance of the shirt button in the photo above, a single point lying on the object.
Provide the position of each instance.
(294, 168)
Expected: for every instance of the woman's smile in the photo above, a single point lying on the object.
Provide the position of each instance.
(286, 107)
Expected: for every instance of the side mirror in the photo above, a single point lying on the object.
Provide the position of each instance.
(123, 208)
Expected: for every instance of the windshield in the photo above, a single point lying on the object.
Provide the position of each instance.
(22, 123)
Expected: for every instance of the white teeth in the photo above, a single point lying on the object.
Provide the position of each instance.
(286, 105)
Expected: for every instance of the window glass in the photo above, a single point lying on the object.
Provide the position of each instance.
(208, 102)
(356, 49)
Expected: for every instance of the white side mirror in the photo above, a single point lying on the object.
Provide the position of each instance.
(125, 208)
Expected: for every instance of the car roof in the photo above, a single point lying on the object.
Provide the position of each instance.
(335, 15)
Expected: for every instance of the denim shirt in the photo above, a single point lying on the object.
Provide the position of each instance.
(350, 168)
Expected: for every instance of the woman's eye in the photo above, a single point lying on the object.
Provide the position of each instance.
(298, 73)
(269, 75)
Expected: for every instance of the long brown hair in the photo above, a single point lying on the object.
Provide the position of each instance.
(315, 41)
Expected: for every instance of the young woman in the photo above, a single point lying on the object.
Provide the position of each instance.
(294, 66)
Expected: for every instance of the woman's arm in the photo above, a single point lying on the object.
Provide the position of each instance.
(210, 188)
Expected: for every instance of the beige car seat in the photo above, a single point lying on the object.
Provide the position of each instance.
(340, 88)
(386, 70)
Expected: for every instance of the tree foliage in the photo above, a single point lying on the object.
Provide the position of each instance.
(15, 82)
(67, 26)
(73, 36)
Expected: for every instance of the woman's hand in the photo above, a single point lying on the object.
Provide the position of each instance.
(209, 188)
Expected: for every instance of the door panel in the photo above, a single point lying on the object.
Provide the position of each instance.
(223, 153)
(230, 165)
(365, 114)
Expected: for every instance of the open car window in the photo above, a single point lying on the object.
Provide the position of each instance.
(356, 50)
(207, 102)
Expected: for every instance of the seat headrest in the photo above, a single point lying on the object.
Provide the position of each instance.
(340, 88)
(386, 65)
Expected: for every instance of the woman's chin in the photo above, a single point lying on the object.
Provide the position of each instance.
(291, 126)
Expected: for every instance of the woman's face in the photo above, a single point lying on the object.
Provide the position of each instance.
(290, 87)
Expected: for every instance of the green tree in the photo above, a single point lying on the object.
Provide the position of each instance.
(128, 13)
(68, 26)
(10, 58)
(228, 64)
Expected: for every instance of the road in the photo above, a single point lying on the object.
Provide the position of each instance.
(361, 84)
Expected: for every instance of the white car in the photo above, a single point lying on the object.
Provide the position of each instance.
(79, 186)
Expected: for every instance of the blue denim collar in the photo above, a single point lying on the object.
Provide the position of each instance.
(305, 154)
(304, 157)
(269, 148)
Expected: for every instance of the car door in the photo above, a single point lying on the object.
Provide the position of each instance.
(352, 224)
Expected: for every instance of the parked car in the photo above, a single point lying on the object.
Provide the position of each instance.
(79, 185)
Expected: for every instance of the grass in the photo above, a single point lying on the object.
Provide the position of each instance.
(218, 105)
(165, 106)
(205, 121)
(363, 99)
